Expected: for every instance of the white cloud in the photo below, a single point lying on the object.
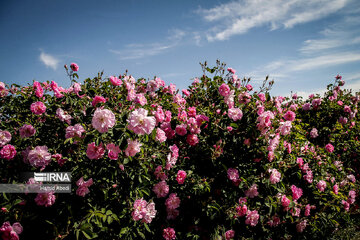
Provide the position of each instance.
(138, 51)
(238, 17)
(49, 60)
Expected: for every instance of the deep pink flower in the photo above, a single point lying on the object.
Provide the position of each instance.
(140, 123)
(224, 90)
(115, 81)
(83, 186)
(8, 152)
(285, 202)
(95, 152)
(103, 120)
(113, 151)
(5, 138)
(241, 210)
(181, 129)
(289, 116)
(233, 174)
(38, 108)
(169, 234)
(161, 189)
(98, 99)
(230, 234)
(74, 67)
(45, 199)
(192, 139)
(181, 176)
(133, 148)
(9, 232)
(329, 147)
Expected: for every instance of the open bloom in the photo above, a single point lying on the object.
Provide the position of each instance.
(39, 156)
(83, 186)
(27, 131)
(103, 120)
(38, 108)
(8, 152)
(132, 148)
(169, 234)
(9, 232)
(5, 137)
(45, 199)
(95, 152)
(140, 123)
(161, 189)
(235, 114)
(143, 211)
(252, 218)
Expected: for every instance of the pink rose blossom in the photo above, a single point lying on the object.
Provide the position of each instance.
(285, 128)
(5, 138)
(74, 67)
(296, 192)
(103, 120)
(83, 186)
(63, 116)
(74, 131)
(181, 176)
(143, 211)
(161, 189)
(113, 151)
(8, 152)
(289, 116)
(235, 114)
(133, 148)
(26, 131)
(230, 234)
(300, 227)
(39, 157)
(321, 185)
(336, 189)
(45, 199)
(233, 174)
(285, 202)
(169, 234)
(241, 210)
(329, 147)
(115, 81)
(252, 191)
(95, 152)
(224, 90)
(160, 135)
(275, 176)
(172, 202)
(192, 139)
(252, 218)
(181, 130)
(38, 108)
(140, 123)
(314, 133)
(9, 232)
(98, 99)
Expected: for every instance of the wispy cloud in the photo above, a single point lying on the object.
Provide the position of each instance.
(49, 60)
(343, 33)
(238, 17)
(137, 51)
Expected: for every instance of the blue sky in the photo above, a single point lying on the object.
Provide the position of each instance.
(301, 44)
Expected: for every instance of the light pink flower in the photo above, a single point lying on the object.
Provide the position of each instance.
(321, 185)
(45, 199)
(275, 176)
(74, 67)
(103, 120)
(95, 152)
(252, 218)
(160, 135)
(285, 128)
(314, 133)
(172, 202)
(143, 211)
(133, 148)
(169, 234)
(252, 191)
(26, 131)
(161, 189)
(181, 176)
(83, 186)
(5, 138)
(39, 157)
(296, 192)
(140, 123)
(8, 152)
(38, 108)
(233, 174)
(336, 189)
(235, 114)
(346, 205)
(74, 131)
(63, 116)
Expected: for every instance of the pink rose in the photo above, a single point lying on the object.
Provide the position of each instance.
(181, 176)
(133, 148)
(95, 152)
(38, 108)
(8, 152)
(74, 67)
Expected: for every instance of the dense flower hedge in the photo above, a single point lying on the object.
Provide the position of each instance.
(218, 160)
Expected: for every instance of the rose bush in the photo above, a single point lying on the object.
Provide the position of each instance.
(218, 161)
